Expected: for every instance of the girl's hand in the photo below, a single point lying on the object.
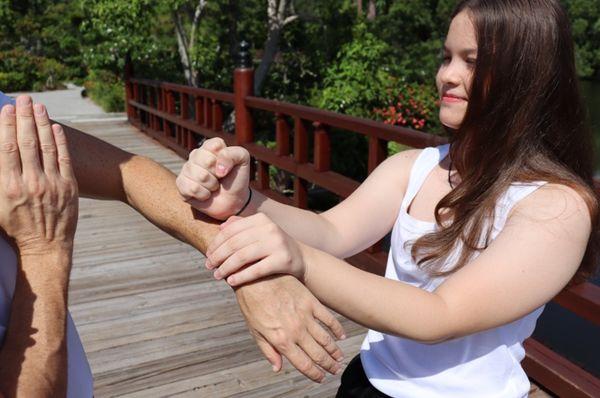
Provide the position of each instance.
(254, 240)
(215, 179)
(38, 190)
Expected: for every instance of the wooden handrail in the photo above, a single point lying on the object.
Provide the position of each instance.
(371, 128)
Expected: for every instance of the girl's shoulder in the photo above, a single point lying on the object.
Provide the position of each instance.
(553, 204)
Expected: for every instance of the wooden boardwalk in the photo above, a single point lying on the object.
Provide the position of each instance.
(153, 321)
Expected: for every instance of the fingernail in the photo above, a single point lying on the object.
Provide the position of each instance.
(9, 109)
(221, 168)
(274, 368)
(38, 109)
(337, 371)
(343, 337)
(340, 359)
(24, 100)
(217, 274)
(231, 280)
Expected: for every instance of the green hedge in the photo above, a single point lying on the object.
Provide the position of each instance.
(107, 90)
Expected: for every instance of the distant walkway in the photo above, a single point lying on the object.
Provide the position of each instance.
(68, 106)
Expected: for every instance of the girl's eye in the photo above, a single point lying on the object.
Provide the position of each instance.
(446, 59)
(471, 61)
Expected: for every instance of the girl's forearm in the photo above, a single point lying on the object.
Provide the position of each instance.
(303, 225)
(375, 302)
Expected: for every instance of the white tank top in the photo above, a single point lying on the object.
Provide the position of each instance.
(80, 382)
(485, 364)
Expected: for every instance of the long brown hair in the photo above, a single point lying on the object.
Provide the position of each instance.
(525, 122)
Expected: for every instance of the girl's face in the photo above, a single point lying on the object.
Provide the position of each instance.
(456, 72)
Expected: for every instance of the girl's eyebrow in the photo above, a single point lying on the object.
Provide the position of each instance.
(464, 52)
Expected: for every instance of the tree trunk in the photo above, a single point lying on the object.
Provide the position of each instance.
(372, 11)
(270, 51)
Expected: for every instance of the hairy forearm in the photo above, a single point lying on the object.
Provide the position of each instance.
(378, 303)
(33, 358)
(104, 171)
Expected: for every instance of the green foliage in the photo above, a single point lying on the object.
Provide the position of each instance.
(360, 79)
(106, 90)
(585, 21)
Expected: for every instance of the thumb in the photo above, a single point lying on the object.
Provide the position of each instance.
(270, 353)
(230, 157)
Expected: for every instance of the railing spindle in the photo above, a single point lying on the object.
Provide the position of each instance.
(322, 147)
(199, 110)
(217, 116)
(377, 152)
(282, 135)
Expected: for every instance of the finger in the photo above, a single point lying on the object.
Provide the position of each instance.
(266, 267)
(230, 157)
(304, 364)
(201, 175)
(203, 158)
(235, 228)
(325, 316)
(325, 340)
(65, 166)
(247, 255)
(237, 242)
(190, 189)
(10, 160)
(214, 145)
(270, 353)
(46, 138)
(229, 221)
(27, 136)
(318, 355)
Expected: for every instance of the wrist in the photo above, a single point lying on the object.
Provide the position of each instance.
(307, 254)
(244, 205)
(50, 270)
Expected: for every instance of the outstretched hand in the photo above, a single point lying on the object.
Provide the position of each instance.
(38, 190)
(286, 319)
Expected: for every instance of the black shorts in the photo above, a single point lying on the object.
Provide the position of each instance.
(355, 383)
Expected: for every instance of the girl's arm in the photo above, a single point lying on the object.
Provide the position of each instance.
(342, 231)
(530, 261)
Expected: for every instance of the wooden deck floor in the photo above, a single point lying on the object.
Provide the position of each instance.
(153, 321)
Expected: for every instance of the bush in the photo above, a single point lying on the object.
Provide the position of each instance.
(22, 71)
(107, 90)
(13, 81)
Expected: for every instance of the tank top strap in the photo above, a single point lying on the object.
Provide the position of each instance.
(423, 165)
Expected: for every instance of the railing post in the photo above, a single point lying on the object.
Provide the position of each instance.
(128, 75)
(243, 86)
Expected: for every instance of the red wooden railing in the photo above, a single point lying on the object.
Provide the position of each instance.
(180, 116)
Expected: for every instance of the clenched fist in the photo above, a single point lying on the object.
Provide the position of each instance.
(215, 179)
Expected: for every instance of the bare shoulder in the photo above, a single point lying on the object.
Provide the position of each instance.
(555, 205)
(402, 160)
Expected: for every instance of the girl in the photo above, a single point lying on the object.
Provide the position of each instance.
(485, 230)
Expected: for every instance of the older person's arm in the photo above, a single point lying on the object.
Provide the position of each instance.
(281, 313)
(38, 212)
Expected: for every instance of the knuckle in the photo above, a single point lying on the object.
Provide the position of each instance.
(28, 143)
(9, 147)
(48, 149)
(64, 160)
(305, 365)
